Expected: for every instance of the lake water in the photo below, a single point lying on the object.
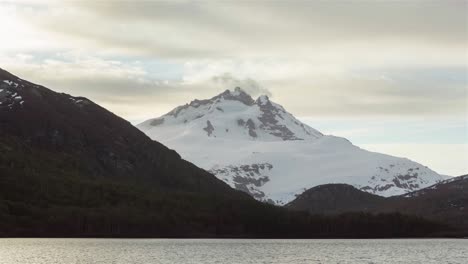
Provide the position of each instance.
(116, 251)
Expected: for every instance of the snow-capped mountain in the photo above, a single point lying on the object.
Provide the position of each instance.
(258, 147)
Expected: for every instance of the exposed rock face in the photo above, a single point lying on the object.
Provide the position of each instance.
(209, 128)
(269, 120)
(237, 95)
(247, 177)
(250, 125)
(409, 180)
(157, 122)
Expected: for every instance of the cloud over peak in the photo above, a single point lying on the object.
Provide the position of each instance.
(249, 85)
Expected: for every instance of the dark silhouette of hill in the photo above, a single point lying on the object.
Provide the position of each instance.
(445, 202)
(335, 199)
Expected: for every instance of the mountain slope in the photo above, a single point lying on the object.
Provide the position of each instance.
(258, 147)
(69, 168)
(91, 139)
(446, 201)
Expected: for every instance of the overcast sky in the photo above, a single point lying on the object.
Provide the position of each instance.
(389, 75)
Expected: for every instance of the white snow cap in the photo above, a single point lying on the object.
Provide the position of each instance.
(234, 115)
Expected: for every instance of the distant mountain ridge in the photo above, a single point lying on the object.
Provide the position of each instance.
(258, 147)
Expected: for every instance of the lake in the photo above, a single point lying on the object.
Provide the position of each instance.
(116, 251)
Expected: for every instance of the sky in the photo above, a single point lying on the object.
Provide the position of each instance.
(391, 76)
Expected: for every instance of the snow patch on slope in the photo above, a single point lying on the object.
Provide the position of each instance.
(10, 96)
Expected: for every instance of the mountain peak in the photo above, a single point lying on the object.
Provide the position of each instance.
(237, 95)
(232, 114)
(238, 91)
(263, 100)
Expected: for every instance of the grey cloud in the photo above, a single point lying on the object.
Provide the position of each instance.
(249, 85)
(362, 36)
(393, 95)
(256, 28)
(97, 79)
(447, 18)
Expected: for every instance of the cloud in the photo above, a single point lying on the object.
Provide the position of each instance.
(285, 23)
(253, 29)
(333, 58)
(390, 95)
(127, 89)
(137, 90)
(340, 90)
(130, 89)
(249, 85)
(88, 75)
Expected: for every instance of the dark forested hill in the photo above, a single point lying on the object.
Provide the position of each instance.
(335, 199)
(445, 202)
(70, 168)
(76, 135)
